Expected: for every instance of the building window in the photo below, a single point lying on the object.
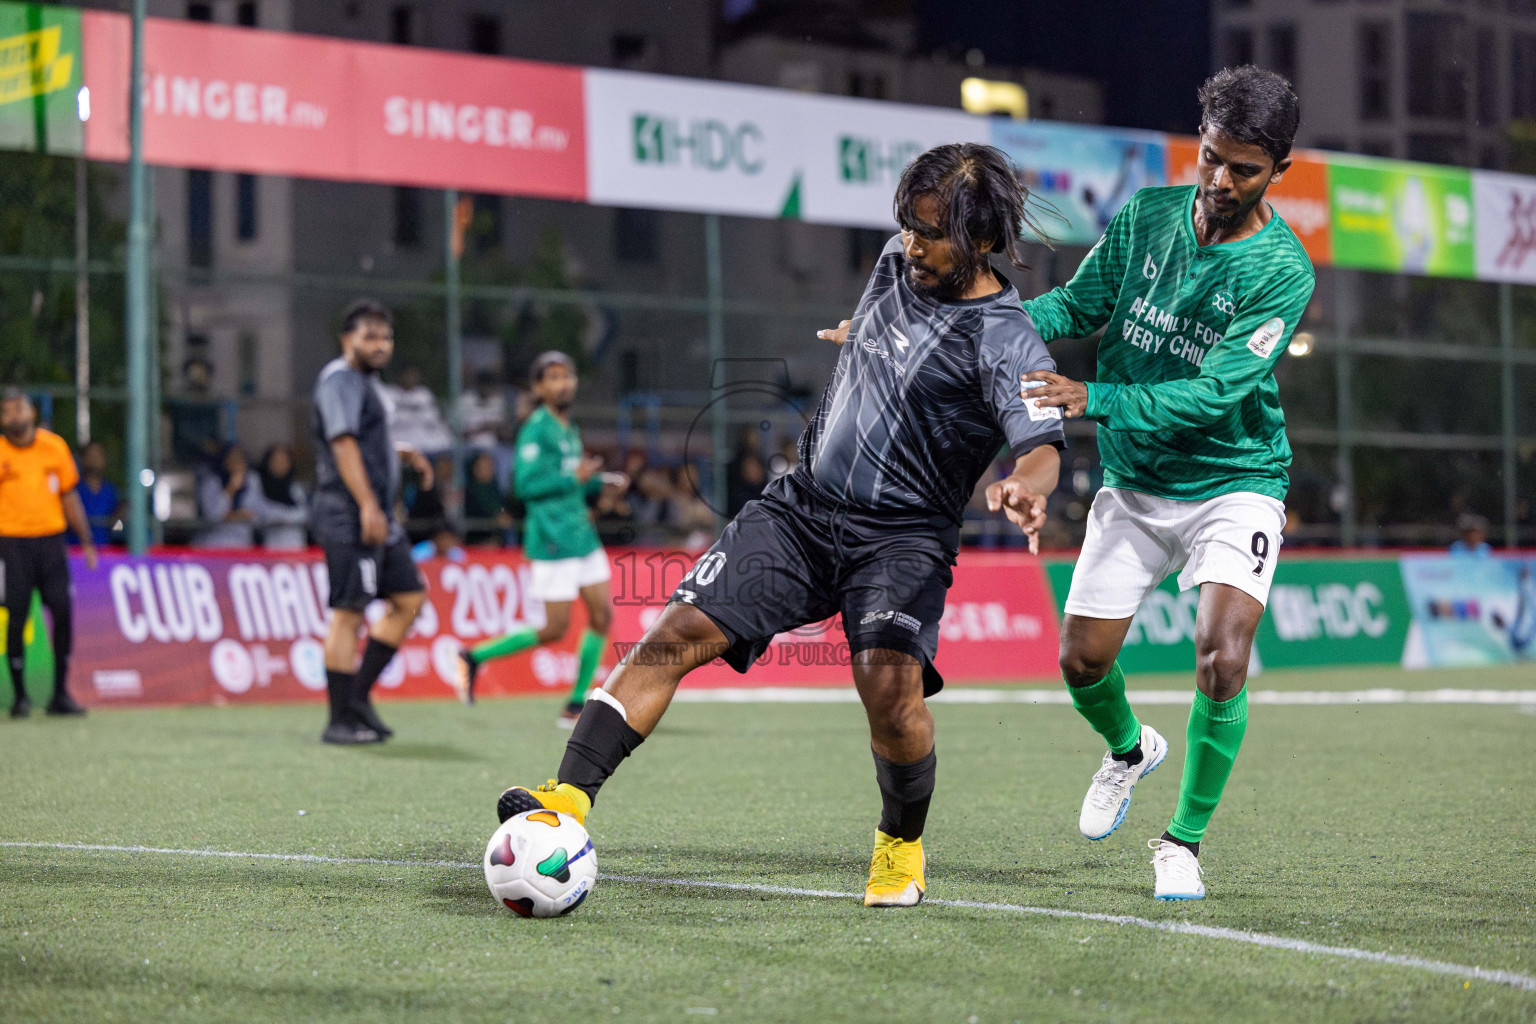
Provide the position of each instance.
(247, 349)
(868, 84)
(484, 34)
(199, 12)
(402, 25)
(1522, 74)
(636, 235)
(245, 207)
(1237, 47)
(245, 14)
(200, 218)
(1374, 58)
(633, 51)
(1378, 147)
(1487, 78)
(1433, 148)
(407, 216)
(1281, 43)
(1436, 65)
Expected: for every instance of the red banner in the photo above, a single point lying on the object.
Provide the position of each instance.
(249, 627)
(276, 103)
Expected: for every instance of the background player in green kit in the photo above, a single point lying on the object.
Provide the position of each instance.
(554, 479)
(1198, 289)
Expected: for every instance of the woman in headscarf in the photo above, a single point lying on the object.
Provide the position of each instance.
(226, 492)
(282, 511)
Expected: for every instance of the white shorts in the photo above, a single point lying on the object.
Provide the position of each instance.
(1136, 540)
(561, 579)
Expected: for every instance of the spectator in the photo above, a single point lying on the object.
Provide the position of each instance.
(483, 413)
(226, 501)
(426, 505)
(194, 415)
(282, 508)
(746, 476)
(485, 504)
(442, 542)
(98, 495)
(651, 502)
(692, 518)
(1474, 535)
(414, 418)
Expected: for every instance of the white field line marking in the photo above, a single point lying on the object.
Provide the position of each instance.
(1059, 695)
(1524, 982)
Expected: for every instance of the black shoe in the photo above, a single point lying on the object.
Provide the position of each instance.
(369, 718)
(64, 704)
(22, 708)
(349, 734)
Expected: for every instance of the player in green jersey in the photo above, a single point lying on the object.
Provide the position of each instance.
(555, 479)
(1198, 289)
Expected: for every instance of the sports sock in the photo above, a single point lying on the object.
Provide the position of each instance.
(17, 663)
(376, 656)
(1104, 706)
(588, 654)
(601, 740)
(905, 791)
(1193, 848)
(518, 640)
(338, 687)
(1211, 743)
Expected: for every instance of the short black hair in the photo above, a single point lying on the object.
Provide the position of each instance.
(544, 360)
(983, 200)
(1252, 106)
(365, 309)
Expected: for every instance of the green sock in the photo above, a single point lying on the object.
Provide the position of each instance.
(1107, 710)
(588, 653)
(1215, 733)
(519, 640)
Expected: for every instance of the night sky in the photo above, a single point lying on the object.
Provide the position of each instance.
(1150, 57)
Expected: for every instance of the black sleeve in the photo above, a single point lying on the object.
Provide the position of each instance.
(339, 401)
(1009, 348)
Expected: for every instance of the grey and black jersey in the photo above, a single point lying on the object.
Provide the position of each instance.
(925, 396)
(351, 403)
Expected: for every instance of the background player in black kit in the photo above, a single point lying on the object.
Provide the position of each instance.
(367, 553)
(925, 395)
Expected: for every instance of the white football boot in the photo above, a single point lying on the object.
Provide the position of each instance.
(1109, 795)
(1176, 871)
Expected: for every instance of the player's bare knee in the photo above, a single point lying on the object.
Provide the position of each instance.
(1080, 668)
(409, 604)
(1221, 671)
(599, 619)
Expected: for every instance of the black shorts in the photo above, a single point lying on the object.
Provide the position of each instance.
(793, 558)
(359, 574)
(33, 563)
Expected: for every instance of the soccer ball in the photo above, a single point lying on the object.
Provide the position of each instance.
(540, 864)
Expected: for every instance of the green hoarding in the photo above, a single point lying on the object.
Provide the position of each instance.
(1322, 611)
(40, 79)
(1402, 217)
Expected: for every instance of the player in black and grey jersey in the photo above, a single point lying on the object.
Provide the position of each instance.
(925, 395)
(367, 554)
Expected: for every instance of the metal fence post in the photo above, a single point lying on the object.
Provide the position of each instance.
(1507, 387)
(82, 308)
(451, 256)
(719, 495)
(136, 305)
(1343, 383)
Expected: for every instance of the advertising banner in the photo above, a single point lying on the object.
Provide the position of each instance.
(277, 103)
(1162, 634)
(1085, 172)
(1506, 226)
(1334, 611)
(40, 78)
(1470, 610)
(1401, 217)
(250, 627)
(1301, 197)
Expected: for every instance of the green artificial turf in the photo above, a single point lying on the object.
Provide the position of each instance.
(1401, 828)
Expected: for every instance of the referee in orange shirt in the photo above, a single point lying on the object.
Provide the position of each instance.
(37, 497)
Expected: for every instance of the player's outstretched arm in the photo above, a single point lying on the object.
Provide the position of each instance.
(1022, 494)
(1085, 303)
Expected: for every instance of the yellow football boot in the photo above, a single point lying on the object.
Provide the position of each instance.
(553, 796)
(896, 873)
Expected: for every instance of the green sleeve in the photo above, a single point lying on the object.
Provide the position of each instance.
(538, 473)
(1255, 339)
(1085, 303)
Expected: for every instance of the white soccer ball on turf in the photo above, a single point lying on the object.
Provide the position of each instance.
(540, 864)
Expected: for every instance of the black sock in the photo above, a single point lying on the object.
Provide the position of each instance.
(1132, 756)
(338, 686)
(905, 790)
(600, 741)
(376, 657)
(1193, 848)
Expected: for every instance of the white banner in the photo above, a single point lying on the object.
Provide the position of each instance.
(1505, 206)
(714, 147)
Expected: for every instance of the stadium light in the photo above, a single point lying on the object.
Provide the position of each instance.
(985, 96)
(1301, 344)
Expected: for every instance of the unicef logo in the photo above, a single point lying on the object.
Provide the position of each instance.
(1225, 303)
(749, 396)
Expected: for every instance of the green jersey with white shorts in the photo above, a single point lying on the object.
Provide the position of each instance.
(557, 525)
(1186, 399)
